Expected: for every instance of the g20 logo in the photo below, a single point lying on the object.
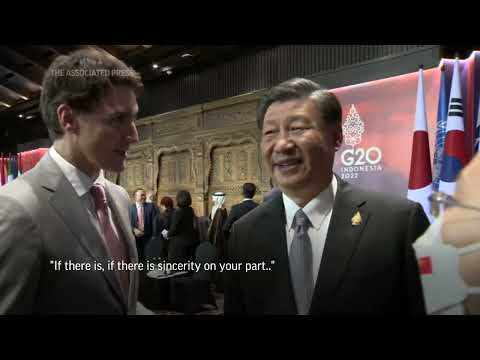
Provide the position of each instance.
(359, 157)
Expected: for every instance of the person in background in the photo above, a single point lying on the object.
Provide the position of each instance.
(238, 210)
(216, 234)
(142, 215)
(162, 223)
(181, 236)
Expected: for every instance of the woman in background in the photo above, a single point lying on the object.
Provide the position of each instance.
(182, 235)
(163, 222)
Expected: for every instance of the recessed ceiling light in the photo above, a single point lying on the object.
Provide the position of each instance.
(5, 104)
(169, 72)
(155, 66)
(167, 68)
(186, 55)
(30, 116)
(23, 97)
(20, 116)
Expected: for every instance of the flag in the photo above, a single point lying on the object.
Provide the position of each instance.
(2, 171)
(19, 164)
(442, 113)
(14, 167)
(9, 170)
(454, 156)
(420, 179)
(477, 129)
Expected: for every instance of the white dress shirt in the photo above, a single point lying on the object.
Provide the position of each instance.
(319, 212)
(82, 183)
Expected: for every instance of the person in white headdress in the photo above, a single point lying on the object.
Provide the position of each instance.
(215, 234)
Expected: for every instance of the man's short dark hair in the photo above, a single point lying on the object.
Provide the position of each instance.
(249, 190)
(184, 199)
(81, 80)
(298, 88)
(137, 190)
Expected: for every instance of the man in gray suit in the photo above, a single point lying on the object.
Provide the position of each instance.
(64, 228)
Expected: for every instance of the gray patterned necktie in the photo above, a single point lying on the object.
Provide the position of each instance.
(301, 262)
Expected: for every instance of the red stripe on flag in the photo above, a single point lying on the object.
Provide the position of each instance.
(2, 176)
(455, 145)
(470, 107)
(420, 167)
(425, 265)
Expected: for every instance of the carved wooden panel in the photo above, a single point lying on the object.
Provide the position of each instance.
(175, 169)
(230, 164)
(232, 115)
(138, 174)
(231, 169)
(144, 131)
(175, 125)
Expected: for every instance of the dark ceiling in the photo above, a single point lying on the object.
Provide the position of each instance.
(22, 68)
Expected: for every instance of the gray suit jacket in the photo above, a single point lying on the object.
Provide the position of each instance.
(42, 220)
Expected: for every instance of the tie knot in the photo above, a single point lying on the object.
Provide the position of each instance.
(98, 193)
(301, 220)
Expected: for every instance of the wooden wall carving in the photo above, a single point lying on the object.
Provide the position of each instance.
(202, 149)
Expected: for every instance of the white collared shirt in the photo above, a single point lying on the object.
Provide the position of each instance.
(246, 199)
(82, 183)
(319, 212)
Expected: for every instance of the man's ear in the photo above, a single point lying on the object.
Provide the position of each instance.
(67, 119)
(338, 138)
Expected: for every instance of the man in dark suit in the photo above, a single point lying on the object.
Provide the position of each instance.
(142, 216)
(323, 246)
(238, 210)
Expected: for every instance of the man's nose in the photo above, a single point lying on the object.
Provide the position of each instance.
(132, 133)
(283, 143)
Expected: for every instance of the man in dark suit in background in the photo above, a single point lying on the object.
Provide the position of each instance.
(323, 246)
(142, 215)
(238, 210)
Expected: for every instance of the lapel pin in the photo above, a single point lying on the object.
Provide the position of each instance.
(356, 219)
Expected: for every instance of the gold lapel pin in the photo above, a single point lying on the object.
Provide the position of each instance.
(356, 219)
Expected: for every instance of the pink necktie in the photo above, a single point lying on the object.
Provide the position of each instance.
(141, 225)
(116, 247)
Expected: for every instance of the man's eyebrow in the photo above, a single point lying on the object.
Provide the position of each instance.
(123, 113)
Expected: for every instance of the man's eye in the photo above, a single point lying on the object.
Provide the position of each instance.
(297, 128)
(270, 132)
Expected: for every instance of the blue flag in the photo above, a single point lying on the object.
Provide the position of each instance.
(14, 168)
(442, 114)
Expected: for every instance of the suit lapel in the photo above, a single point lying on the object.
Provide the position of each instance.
(114, 201)
(272, 244)
(123, 221)
(69, 208)
(342, 239)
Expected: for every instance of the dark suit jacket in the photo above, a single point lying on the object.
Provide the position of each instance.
(162, 222)
(236, 213)
(149, 212)
(181, 227)
(367, 269)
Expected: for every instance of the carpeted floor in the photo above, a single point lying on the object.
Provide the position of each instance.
(208, 309)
